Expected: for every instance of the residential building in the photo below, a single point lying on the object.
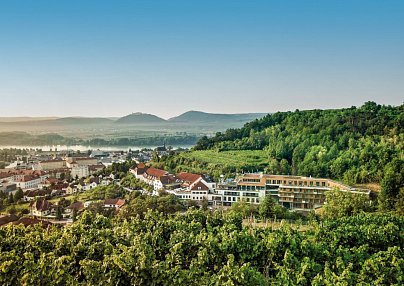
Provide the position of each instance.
(138, 171)
(36, 194)
(7, 187)
(74, 208)
(81, 161)
(52, 164)
(18, 165)
(41, 208)
(79, 171)
(114, 203)
(192, 187)
(28, 182)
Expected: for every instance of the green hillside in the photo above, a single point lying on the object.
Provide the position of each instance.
(217, 163)
(354, 145)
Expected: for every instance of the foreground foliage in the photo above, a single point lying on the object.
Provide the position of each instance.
(195, 248)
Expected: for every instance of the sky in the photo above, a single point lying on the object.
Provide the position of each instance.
(112, 58)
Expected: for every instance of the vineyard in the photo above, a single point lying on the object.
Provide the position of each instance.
(198, 248)
(217, 163)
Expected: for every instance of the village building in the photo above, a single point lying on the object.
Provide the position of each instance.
(41, 208)
(51, 164)
(114, 203)
(75, 207)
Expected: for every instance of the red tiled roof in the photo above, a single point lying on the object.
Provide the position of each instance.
(28, 172)
(165, 180)
(155, 172)
(41, 205)
(118, 202)
(200, 186)
(27, 178)
(60, 186)
(188, 177)
(51, 180)
(5, 175)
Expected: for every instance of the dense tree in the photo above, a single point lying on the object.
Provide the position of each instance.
(244, 208)
(267, 208)
(19, 194)
(10, 198)
(340, 204)
(392, 182)
(59, 214)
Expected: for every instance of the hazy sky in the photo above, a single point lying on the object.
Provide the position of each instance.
(111, 58)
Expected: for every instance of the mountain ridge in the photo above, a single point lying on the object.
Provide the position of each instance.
(193, 115)
(140, 118)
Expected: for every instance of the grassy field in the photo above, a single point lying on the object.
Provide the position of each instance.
(246, 160)
(234, 158)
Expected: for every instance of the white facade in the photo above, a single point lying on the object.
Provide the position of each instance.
(90, 186)
(157, 185)
(29, 184)
(80, 172)
(40, 213)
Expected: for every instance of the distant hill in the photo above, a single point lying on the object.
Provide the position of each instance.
(199, 116)
(82, 120)
(24, 119)
(64, 121)
(140, 118)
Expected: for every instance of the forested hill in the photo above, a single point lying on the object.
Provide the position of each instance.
(354, 145)
(330, 125)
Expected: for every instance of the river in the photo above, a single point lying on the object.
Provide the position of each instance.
(83, 148)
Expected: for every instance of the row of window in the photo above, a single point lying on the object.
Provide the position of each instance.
(234, 199)
(296, 183)
(251, 180)
(190, 197)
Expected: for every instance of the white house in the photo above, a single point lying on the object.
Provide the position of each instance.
(114, 203)
(41, 208)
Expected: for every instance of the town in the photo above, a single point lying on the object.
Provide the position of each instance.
(52, 185)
